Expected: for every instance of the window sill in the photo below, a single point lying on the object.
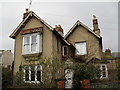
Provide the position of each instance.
(31, 54)
(80, 55)
(103, 77)
(65, 55)
(32, 81)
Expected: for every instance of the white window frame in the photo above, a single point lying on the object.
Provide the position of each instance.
(39, 43)
(106, 71)
(80, 53)
(29, 81)
(63, 50)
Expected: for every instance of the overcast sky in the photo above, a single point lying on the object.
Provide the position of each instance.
(65, 14)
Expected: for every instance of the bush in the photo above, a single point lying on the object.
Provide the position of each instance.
(118, 69)
(85, 71)
(7, 77)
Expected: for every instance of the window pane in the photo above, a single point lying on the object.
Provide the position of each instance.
(33, 47)
(26, 40)
(26, 74)
(77, 46)
(26, 48)
(26, 44)
(65, 50)
(38, 75)
(83, 48)
(104, 74)
(34, 39)
(103, 68)
(33, 73)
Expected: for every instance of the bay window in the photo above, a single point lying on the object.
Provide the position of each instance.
(80, 48)
(32, 74)
(32, 43)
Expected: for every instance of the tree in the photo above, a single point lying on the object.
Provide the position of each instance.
(52, 69)
(7, 77)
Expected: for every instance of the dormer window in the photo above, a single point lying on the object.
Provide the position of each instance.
(32, 43)
(80, 48)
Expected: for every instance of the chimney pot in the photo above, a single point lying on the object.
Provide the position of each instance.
(26, 13)
(59, 29)
(94, 17)
(59, 25)
(56, 26)
(26, 9)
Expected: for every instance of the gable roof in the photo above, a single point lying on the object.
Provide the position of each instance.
(77, 24)
(24, 22)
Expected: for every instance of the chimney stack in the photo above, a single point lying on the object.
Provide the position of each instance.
(26, 13)
(108, 52)
(59, 29)
(95, 25)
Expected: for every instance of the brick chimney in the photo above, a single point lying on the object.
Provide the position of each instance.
(95, 25)
(108, 52)
(26, 13)
(59, 29)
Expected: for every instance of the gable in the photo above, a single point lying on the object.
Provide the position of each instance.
(26, 20)
(78, 23)
(33, 23)
(80, 34)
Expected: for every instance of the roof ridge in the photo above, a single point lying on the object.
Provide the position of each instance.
(80, 23)
(23, 21)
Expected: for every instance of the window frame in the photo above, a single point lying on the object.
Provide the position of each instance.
(38, 41)
(35, 70)
(106, 71)
(64, 52)
(85, 48)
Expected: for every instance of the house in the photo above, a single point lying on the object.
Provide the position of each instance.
(112, 59)
(6, 58)
(36, 43)
(116, 54)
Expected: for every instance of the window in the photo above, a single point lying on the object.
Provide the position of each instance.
(104, 73)
(80, 48)
(32, 43)
(65, 50)
(32, 74)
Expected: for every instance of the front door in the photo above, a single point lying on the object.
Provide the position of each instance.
(69, 78)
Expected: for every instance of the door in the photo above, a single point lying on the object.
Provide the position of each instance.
(69, 78)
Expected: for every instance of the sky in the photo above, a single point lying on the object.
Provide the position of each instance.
(63, 13)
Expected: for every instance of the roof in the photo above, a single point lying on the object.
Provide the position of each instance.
(77, 24)
(24, 22)
(116, 54)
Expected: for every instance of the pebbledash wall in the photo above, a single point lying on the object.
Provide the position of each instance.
(51, 44)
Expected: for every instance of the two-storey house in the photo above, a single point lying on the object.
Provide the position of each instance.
(36, 41)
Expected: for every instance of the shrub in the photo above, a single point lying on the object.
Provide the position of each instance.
(85, 71)
(7, 77)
